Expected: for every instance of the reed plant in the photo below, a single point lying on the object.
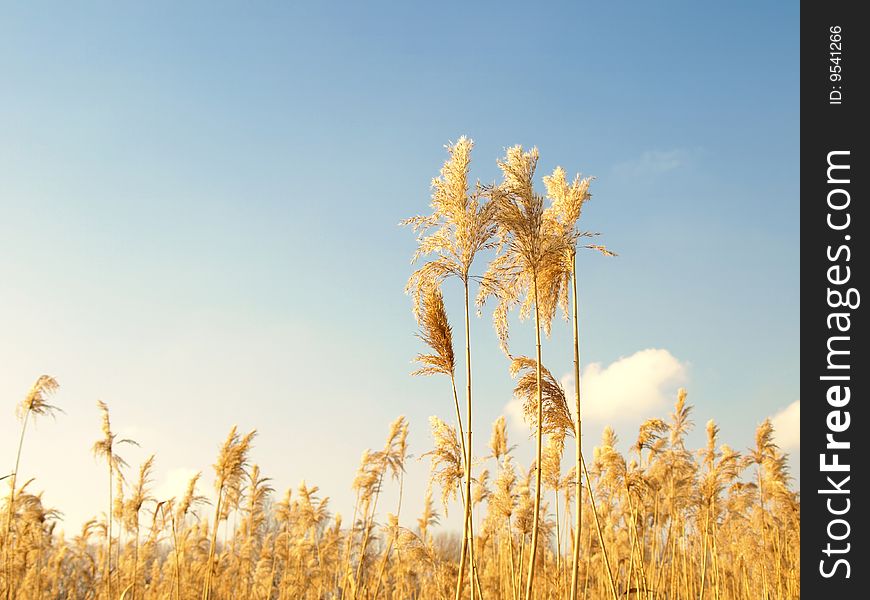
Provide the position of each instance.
(657, 520)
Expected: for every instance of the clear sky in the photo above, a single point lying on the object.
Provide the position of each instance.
(199, 208)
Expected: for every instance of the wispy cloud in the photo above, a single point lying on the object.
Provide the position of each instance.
(787, 427)
(638, 384)
(653, 162)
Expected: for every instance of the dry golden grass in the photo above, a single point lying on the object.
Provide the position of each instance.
(675, 523)
(659, 521)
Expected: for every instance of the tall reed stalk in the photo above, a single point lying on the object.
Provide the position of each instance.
(567, 201)
(463, 225)
(34, 403)
(229, 471)
(526, 273)
(105, 448)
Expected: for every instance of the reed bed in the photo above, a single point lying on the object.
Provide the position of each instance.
(675, 523)
(657, 520)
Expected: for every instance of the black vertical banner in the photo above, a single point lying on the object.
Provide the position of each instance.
(834, 262)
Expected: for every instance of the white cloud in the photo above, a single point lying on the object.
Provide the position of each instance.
(653, 162)
(787, 427)
(514, 413)
(637, 385)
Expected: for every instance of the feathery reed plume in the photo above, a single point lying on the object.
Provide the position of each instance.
(36, 400)
(722, 467)
(463, 225)
(104, 448)
(680, 421)
(131, 509)
(650, 432)
(365, 483)
(429, 516)
(253, 528)
(481, 491)
(435, 332)
(552, 460)
(556, 414)
(503, 499)
(229, 470)
(178, 518)
(190, 498)
(391, 458)
(34, 403)
(498, 442)
(761, 456)
(551, 474)
(446, 460)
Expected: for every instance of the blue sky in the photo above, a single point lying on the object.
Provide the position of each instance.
(200, 204)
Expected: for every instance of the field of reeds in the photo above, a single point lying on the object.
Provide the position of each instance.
(659, 521)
